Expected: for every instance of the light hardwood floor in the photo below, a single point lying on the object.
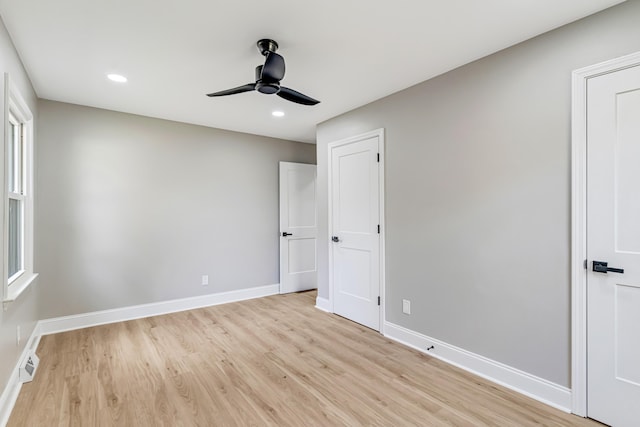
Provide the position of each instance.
(275, 361)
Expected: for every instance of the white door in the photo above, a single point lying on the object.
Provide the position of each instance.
(613, 236)
(355, 233)
(298, 227)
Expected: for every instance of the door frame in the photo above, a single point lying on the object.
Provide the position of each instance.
(381, 183)
(579, 270)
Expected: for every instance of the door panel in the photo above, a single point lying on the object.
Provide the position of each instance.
(627, 172)
(355, 216)
(354, 192)
(627, 316)
(301, 189)
(613, 236)
(354, 274)
(302, 255)
(298, 249)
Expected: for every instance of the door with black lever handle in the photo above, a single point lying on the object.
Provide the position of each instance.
(601, 267)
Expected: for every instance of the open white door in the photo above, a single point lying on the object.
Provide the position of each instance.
(613, 237)
(298, 227)
(355, 220)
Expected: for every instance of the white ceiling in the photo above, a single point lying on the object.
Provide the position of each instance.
(345, 53)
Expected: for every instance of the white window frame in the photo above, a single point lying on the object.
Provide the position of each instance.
(17, 110)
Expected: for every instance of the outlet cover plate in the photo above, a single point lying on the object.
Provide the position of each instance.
(406, 306)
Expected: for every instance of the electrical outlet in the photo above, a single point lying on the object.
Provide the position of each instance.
(205, 280)
(18, 337)
(406, 306)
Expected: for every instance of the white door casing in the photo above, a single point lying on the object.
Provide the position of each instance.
(355, 226)
(606, 208)
(298, 227)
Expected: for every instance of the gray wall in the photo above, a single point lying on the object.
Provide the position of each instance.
(478, 195)
(23, 312)
(135, 210)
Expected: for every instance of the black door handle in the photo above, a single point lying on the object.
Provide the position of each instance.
(285, 234)
(601, 267)
(335, 239)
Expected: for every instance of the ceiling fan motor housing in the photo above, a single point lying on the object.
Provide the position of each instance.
(263, 85)
(267, 87)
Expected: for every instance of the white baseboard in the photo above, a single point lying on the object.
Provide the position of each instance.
(86, 320)
(537, 388)
(12, 390)
(323, 304)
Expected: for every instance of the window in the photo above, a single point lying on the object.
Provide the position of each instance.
(18, 179)
(15, 179)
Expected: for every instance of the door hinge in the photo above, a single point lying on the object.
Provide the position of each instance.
(378, 157)
(378, 228)
(585, 264)
(378, 300)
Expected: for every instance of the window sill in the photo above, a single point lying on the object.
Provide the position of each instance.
(18, 287)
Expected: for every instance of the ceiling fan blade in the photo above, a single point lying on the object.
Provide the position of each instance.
(240, 89)
(273, 69)
(295, 96)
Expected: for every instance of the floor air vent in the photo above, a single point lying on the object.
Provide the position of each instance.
(28, 368)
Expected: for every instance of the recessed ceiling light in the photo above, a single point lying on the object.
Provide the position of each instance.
(277, 113)
(117, 78)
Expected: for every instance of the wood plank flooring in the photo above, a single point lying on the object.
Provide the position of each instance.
(275, 361)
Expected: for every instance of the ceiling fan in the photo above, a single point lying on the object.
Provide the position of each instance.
(268, 77)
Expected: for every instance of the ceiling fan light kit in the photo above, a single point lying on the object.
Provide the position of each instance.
(268, 77)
